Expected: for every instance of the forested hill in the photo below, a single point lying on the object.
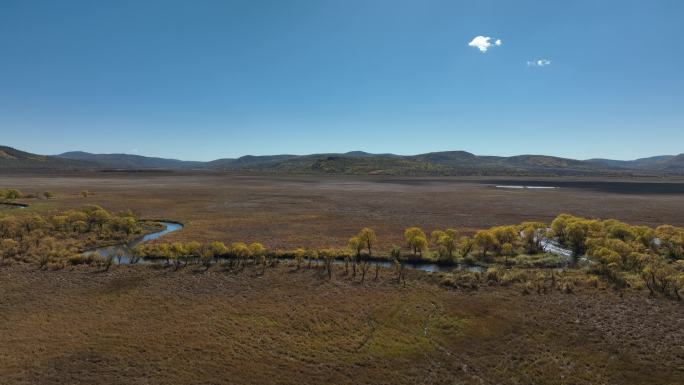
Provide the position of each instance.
(356, 162)
(11, 158)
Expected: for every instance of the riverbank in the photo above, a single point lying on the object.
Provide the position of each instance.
(14, 205)
(149, 227)
(135, 324)
(157, 228)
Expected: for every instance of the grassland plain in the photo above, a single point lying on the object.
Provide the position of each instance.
(324, 211)
(153, 325)
(144, 325)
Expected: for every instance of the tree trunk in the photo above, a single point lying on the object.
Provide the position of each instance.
(363, 272)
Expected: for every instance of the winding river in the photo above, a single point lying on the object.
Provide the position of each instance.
(125, 249)
(125, 253)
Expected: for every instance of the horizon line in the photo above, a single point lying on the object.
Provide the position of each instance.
(341, 153)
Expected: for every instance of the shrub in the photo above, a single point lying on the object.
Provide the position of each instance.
(85, 259)
(663, 278)
(538, 261)
(592, 281)
(493, 275)
(514, 276)
(527, 288)
(469, 260)
(108, 261)
(299, 254)
(12, 194)
(568, 287)
(462, 280)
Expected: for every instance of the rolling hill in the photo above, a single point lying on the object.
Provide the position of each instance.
(127, 161)
(11, 158)
(248, 161)
(666, 163)
(357, 162)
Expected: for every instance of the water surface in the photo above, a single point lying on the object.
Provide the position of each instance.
(126, 250)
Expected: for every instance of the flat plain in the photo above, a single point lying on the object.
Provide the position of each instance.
(322, 211)
(151, 324)
(139, 325)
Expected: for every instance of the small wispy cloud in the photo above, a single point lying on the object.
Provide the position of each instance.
(484, 43)
(538, 63)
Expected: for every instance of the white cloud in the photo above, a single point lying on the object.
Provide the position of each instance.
(483, 43)
(539, 63)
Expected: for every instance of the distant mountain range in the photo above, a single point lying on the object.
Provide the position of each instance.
(355, 162)
(666, 163)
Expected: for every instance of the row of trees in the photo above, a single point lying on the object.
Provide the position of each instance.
(181, 254)
(498, 241)
(239, 254)
(579, 235)
(616, 248)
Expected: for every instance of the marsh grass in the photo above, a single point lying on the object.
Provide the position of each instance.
(179, 327)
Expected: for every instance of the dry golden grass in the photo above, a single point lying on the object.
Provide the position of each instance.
(145, 325)
(323, 211)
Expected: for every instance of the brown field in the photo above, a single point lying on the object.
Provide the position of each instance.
(140, 325)
(153, 325)
(320, 211)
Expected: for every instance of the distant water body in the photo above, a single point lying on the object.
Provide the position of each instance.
(521, 187)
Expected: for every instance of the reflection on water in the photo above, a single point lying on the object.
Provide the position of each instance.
(520, 187)
(12, 206)
(429, 267)
(125, 251)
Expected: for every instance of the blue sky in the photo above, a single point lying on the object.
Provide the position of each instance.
(209, 79)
